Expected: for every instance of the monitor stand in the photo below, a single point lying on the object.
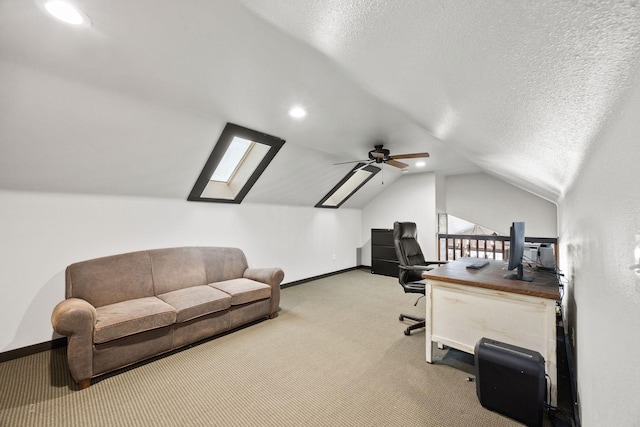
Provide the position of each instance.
(519, 275)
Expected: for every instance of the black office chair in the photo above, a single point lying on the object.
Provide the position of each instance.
(412, 265)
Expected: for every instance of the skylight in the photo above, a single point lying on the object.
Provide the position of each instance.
(231, 159)
(238, 159)
(352, 182)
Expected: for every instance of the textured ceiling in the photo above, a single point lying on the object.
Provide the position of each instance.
(521, 88)
(134, 104)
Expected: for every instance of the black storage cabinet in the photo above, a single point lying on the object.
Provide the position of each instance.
(510, 380)
(383, 254)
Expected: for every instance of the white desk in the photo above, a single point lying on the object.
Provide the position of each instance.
(465, 305)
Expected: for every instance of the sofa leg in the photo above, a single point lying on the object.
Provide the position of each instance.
(84, 383)
(273, 315)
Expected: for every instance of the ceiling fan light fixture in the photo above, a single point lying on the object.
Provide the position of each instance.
(382, 155)
(420, 164)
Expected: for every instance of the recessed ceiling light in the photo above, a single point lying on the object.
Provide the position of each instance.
(297, 112)
(65, 12)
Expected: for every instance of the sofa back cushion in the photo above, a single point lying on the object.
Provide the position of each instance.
(111, 279)
(223, 263)
(177, 268)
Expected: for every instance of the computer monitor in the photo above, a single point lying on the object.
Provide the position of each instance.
(516, 252)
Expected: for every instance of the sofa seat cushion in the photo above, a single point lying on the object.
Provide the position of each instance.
(243, 290)
(196, 301)
(131, 317)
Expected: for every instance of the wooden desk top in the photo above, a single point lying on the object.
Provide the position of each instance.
(544, 285)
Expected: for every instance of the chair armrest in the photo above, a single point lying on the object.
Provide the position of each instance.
(414, 267)
(416, 287)
(425, 267)
(272, 277)
(76, 318)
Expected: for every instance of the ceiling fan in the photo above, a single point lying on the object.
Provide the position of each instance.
(382, 155)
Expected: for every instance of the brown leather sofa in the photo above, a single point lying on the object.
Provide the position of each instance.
(125, 308)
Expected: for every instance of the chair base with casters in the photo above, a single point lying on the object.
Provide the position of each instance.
(421, 322)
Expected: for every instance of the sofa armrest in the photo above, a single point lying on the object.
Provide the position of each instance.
(272, 277)
(76, 318)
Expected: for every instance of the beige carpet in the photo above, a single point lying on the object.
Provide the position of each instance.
(335, 356)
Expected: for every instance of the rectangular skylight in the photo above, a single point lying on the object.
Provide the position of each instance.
(235, 164)
(352, 182)
(232, 159)
(356, 179)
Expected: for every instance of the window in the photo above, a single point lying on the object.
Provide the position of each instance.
(352, 182)
(236, 162)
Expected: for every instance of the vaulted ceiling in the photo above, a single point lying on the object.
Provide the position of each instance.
(134, 104)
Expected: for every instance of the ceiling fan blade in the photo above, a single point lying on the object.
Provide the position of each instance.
(410, 156)
(352, 161)
(396, 164)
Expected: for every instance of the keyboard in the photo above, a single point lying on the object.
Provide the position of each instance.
(478, 265)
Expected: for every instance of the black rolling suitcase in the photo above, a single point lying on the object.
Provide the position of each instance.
(510, 380)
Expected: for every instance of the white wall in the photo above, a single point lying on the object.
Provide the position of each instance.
(42, 233)
(410, 198)
(599, 222)
(487, 201)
